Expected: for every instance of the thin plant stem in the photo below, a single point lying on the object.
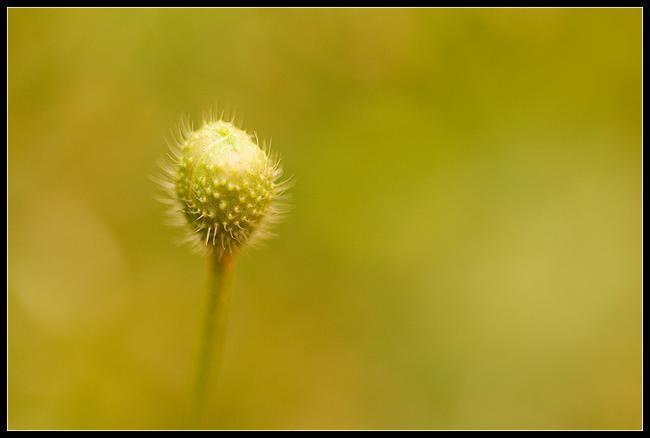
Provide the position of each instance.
(214, 329)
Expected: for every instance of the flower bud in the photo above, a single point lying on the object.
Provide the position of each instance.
(225, 186)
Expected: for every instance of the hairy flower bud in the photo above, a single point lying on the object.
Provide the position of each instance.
(225, 186)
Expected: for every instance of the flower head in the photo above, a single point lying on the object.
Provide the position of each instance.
(225, 187)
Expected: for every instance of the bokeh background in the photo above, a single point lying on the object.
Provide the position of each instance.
(464, 249)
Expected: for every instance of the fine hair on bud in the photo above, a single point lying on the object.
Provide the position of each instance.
(222, 186)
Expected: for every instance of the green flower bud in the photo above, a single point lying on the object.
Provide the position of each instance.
(226, 187)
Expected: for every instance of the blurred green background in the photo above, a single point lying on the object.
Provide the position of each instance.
(464, 249)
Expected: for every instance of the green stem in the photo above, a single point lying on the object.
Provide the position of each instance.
(214, 328)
